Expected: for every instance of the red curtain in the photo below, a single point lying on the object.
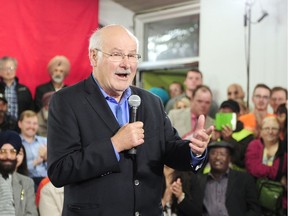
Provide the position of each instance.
(33, 31)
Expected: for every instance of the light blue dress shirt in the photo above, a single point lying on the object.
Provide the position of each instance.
(32, 150)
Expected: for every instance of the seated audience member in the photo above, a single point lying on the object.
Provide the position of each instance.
(18, 96)
(175, 89)
(225, 191)
(167, 195)
(17, 191)
(281, 115)
(278, 96)
(263, 155)
(185, 120)
(43, 114)
(182, 190)
(239, 138)
(182, 103)
(49, 199)
(58, 69)
(7, 122)
(161, 93)
(35, 146)
(235, 91)
(253, 120)
(21, 166)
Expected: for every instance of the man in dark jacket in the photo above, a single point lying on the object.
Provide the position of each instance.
(227, 192)
(58, 69)
(18, 96)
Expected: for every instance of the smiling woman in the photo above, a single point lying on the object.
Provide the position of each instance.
(263, 155)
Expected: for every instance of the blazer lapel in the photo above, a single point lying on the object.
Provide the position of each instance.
(17, 190)
(98, 103)
(231, 183)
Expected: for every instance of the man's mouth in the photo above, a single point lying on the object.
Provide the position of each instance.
(122, 74)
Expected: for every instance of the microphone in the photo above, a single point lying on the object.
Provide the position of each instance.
(134, 101)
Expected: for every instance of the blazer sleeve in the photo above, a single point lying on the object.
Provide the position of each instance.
(75, 155)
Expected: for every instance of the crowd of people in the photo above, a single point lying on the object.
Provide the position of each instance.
(182, 165)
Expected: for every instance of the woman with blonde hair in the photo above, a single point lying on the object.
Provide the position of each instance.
(266, 157)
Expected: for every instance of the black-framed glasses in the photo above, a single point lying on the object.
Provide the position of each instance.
(118, 56)
(5, 152)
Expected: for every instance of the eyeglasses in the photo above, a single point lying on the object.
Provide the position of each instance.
(9, 69)
(117, 56)
(12, 152)
(274, 129)
(264, 97)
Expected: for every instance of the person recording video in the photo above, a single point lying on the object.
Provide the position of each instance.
(91, 134)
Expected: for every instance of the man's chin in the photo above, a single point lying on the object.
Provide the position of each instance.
(7, 167)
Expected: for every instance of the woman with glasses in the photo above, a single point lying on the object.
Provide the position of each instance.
(266, 156)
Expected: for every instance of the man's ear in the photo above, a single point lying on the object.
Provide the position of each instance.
(93, 57)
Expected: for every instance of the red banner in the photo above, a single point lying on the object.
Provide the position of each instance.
(34, 31)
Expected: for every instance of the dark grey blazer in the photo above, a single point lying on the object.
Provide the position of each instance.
(81, 156)
(24, 196)
(241, 194)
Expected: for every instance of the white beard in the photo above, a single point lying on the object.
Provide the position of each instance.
(58, 78)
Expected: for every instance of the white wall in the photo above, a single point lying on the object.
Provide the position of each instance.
(112, 13)
(222, 44)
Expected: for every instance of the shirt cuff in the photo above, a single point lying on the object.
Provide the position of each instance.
(198, 160)
(116, 153)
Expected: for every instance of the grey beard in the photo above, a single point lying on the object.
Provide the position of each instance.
(58, 79)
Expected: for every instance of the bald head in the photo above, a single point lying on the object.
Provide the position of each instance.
(104, 35)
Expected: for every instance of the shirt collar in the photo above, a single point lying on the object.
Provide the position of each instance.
(125, 96)
(224, 175)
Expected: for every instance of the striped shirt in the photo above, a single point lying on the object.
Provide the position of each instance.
(7, 207)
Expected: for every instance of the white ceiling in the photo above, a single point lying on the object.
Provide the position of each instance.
(138, 6)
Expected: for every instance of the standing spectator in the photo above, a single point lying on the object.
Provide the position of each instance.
(17, 191)
(194, 78)
(35, 146)
(7, 122)
(18, 96)
(175, 89)
(253, 120)
(235, 91)
(185, 120)
(58, 69)
(278, 96)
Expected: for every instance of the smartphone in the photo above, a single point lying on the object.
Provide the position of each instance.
(229, 119)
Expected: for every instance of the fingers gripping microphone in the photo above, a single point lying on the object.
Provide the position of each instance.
(134, 101)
